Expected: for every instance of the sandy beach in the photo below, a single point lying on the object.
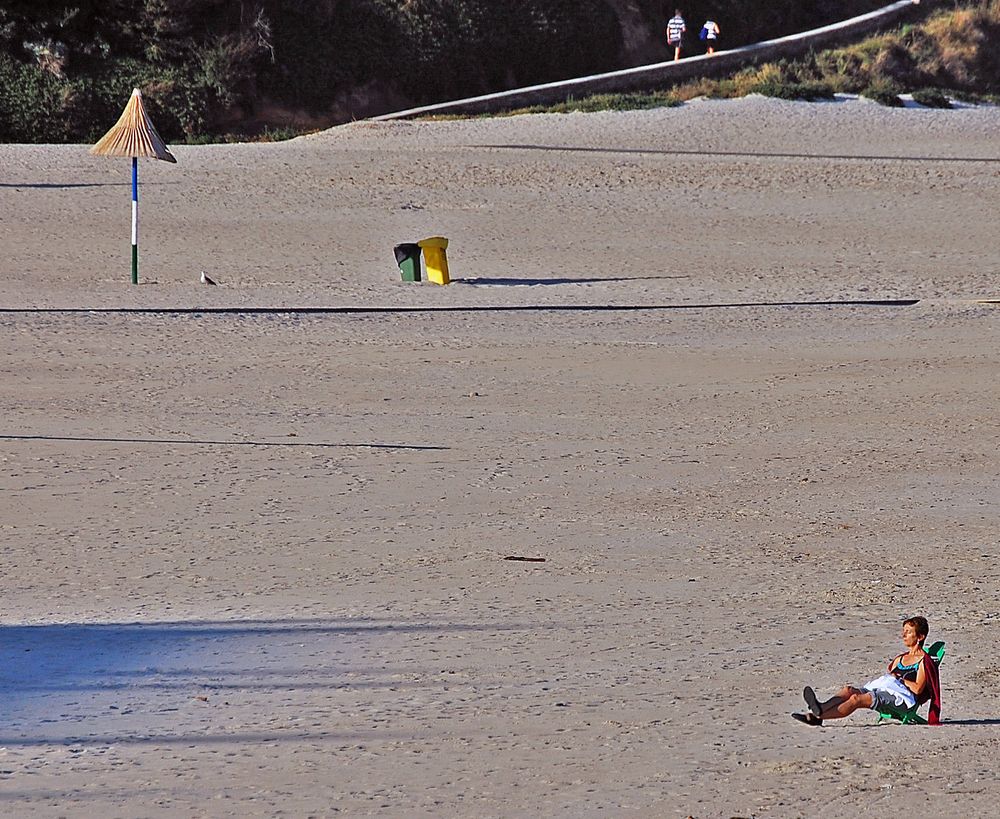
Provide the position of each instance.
(254, 562)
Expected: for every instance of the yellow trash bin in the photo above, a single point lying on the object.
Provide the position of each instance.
(436, 259)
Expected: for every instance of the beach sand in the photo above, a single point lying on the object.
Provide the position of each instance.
(254, 563)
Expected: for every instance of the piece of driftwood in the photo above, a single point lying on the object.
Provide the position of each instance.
(526, 559)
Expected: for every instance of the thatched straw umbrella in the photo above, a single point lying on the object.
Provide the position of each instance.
(134, 136)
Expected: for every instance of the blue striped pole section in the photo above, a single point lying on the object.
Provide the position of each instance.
(135, 220)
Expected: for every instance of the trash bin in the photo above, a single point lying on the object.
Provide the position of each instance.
(408, 259)
(436, 259)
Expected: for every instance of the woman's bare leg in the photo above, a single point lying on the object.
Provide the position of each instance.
(845, 702)
(843, 694)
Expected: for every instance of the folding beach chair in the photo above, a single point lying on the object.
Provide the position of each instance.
(932, 693)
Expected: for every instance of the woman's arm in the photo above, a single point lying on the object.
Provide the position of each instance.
(917, 685)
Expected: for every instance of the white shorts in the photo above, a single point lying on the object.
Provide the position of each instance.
(889, 691)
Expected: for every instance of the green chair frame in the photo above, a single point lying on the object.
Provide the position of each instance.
(909, 716)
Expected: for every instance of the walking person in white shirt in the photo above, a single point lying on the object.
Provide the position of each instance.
(710, 34)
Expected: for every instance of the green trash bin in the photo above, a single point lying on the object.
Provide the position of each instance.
(408, 259)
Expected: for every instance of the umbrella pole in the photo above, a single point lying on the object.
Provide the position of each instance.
(135, 220)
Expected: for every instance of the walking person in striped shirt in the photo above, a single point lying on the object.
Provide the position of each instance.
(675, 33)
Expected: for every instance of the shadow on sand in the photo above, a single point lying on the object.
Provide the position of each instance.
(193, 739)
(527, 281)
(970, 722)
(102, 683)
(69, 185)
(190, 442)
(740, 154)
(944, 723)
(476, 308)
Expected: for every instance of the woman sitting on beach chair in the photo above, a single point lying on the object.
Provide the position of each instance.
(912, 680)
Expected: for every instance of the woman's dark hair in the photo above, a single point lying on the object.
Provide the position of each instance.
(920, 626)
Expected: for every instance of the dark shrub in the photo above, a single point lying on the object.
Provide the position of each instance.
(811, 90)
(932, 98)
(884, 92)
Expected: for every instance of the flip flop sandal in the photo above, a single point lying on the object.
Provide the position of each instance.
(810, 697)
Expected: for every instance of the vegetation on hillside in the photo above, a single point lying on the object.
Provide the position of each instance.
(212, 66)
(66, 68)
(955, 52)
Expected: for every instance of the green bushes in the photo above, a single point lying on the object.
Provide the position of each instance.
(431, 50)
(811, 90)
(67, 71)
(30, 104)
(212, 65)
(931, 98)
(604, 102)
(884, 92)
